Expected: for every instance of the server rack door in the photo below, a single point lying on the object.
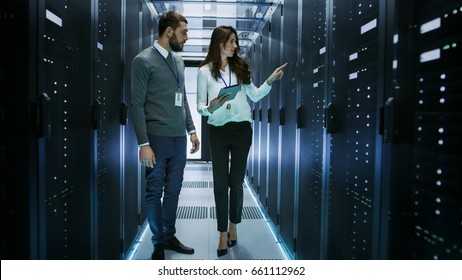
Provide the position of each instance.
(398, 133)
(355, 148)
(131, 181)
(250, 56)
(288, 105)
(64, 223)
(148, 27)
(256, 77)
(107, 99)
(437, 196)
(250, 158)
(264, 138)
(313, 79)
(273, 111)
(18, 141)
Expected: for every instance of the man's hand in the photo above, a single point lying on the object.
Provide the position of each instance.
(147, 156)
(195, 143)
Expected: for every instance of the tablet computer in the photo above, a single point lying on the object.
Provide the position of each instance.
(231, 91)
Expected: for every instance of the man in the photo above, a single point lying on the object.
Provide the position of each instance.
(161, 118)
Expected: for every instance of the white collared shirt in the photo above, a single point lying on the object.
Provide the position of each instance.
(236, 110)
(161, 49)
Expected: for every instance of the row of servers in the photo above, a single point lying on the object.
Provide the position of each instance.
(71, 182)
(354, 151)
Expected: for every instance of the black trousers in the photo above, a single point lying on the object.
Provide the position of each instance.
(230, 140)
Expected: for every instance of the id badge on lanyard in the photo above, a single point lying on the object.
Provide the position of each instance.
(179, 98)
(178, 93)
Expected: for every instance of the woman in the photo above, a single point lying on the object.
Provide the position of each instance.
(230, 132)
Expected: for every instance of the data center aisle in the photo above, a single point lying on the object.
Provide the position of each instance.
(196, 224)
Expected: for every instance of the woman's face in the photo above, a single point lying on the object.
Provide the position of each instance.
(229, 47)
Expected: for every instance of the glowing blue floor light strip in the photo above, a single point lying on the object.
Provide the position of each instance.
(282, 248)
(270, 224)
(136, 244)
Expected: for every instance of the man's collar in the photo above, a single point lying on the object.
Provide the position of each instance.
(161, 49)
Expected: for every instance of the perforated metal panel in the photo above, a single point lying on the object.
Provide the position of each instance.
(248, 212)
(254, 60)
(273, 112)
(353, 149)
(132, 197)
(251, 213)
(192, 212)
(63, 201)
(313, 95)
(195, 184)
(288, 99)
(437, 195)
(108, 85)
(263, 117)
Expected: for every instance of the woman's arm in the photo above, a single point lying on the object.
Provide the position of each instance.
(206, 107)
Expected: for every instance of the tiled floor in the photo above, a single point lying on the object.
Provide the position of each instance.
(196, 224)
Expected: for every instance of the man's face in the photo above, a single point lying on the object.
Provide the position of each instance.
(179, 38)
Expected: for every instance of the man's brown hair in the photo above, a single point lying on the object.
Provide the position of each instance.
(170, 19)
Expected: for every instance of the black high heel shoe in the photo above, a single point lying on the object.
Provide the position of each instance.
(231, 243)
(222, 252)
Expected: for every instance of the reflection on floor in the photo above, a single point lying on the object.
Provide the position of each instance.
(197, 226)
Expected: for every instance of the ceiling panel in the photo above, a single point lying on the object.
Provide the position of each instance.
(247, 16)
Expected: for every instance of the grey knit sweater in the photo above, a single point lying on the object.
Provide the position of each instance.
(153, 88)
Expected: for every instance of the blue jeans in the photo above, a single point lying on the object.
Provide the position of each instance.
(163, 185)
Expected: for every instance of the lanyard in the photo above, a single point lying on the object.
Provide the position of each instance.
(229, 78)
(177, 79)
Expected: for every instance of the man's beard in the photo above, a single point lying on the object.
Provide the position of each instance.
(174, 44)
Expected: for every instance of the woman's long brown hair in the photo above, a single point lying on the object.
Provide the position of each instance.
(238, 65)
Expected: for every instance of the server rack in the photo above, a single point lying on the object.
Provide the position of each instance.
(377, 119)
(78, 193)
(18, 214)
(43, 218)
(273, 120)
(436, 189)
(288, 99)
(253, 159)
(64, 189)
(256, 144)
(107, 124)
(131, 193)
(398, 135)
(265, 71)
(313, 83)
(355, 149)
